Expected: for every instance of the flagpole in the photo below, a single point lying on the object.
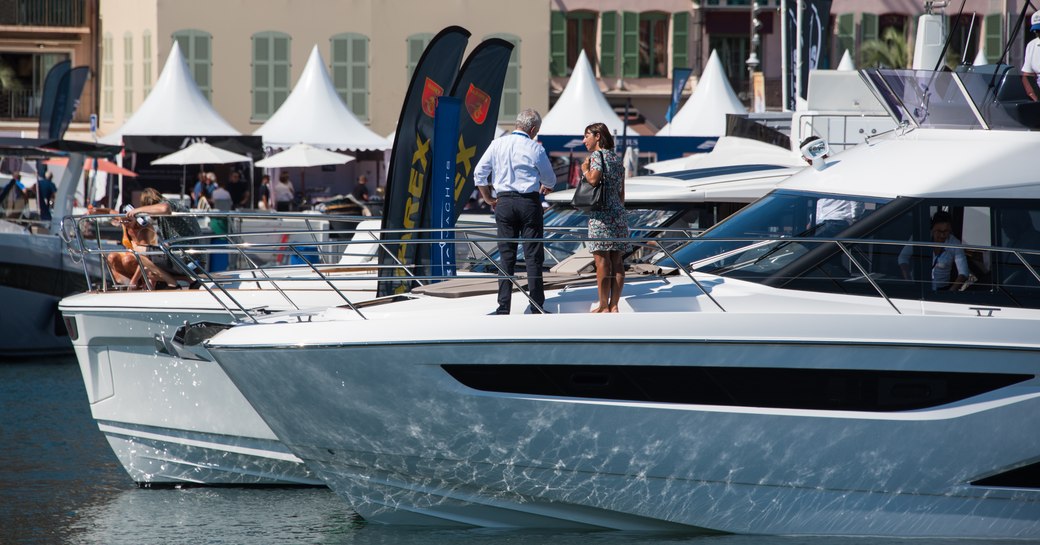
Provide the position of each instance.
(785, 59)
(799, 21)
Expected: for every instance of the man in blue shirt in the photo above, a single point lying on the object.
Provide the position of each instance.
(520, 172)
(45, 192)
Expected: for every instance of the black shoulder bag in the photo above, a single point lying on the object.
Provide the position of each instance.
(588, 197)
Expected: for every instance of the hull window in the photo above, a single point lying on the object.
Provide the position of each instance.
(817, 389)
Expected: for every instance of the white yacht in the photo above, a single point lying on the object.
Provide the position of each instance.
(170, 413)
(796, 384)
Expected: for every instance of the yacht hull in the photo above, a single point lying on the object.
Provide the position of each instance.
(35, 272)
(386, 421)
(171, 420)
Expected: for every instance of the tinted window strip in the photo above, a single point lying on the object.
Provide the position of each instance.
(815, 389)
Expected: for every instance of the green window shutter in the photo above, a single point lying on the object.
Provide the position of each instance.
(146, 62)
(869, 27)
(846, 28)
(608, 44)
(350, 71)
(630, 44)
(195, 47)
(680, 40)
(271, 79)
(557, 43)
(128, 74)
(416, 44)
(510, 104)
(994, 37)
(107, 77)
(359, 76)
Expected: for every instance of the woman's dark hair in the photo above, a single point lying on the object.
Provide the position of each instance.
(606, 140)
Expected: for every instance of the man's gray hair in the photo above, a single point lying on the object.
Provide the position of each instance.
(529, 121)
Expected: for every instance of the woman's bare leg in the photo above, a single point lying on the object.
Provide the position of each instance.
(119, 272)
(603, 279)
(617, 279)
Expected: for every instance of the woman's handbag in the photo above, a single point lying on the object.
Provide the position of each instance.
(588, 197)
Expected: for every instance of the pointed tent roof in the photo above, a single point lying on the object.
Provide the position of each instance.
(174, 107)
(314, 114)
(846, 63)
(704, 113)
(980, 59)
(580, 105)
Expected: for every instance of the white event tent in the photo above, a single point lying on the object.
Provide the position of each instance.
(846, 64)
(314, 114)
(580, 105)
(704, 113)
(174, 107)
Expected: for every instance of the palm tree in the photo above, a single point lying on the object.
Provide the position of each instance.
(891, 51)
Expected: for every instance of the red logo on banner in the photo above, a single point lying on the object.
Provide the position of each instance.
(477, 104)
(430, 94)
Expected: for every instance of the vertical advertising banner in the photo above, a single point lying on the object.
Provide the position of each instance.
(49, 100)
(442, 184)
(815, 18)
(679, 78)
(406, 183)
(479, 87)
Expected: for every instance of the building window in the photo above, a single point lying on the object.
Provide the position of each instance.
(350, 71)
(732, 52)
(581, 35)
(195, 47)
(270, 73)
(107, 76)
(653, 45)
(416, 44)
(608, 40)
(128, 74)
(557, 44)
(146, 62)
(510, 106)
(846, 30)
(680, 40)
(630, 44)
(994, 41)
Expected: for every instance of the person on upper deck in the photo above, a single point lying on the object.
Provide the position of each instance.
(520, 172)
(1031, 60)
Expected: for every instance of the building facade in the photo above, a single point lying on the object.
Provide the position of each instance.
(246, 55)
(34, 36)
(637, 43)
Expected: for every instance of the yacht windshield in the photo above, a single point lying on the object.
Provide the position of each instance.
(762, 228)
(988, 97)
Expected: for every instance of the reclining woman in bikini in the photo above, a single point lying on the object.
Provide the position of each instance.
(126, 269)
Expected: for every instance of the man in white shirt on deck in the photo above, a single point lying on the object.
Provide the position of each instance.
(1031, 61)
(520, 172)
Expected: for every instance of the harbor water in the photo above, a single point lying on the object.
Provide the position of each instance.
(61, 484)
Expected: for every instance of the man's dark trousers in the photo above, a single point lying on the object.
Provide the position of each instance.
(519, 215)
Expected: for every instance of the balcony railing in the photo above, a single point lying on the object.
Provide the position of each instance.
(65, 13)
(19, 104)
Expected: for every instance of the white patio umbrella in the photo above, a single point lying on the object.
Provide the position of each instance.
(199, 153)
(304, 155)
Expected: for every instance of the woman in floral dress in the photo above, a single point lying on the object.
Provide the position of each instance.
(603, 166)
